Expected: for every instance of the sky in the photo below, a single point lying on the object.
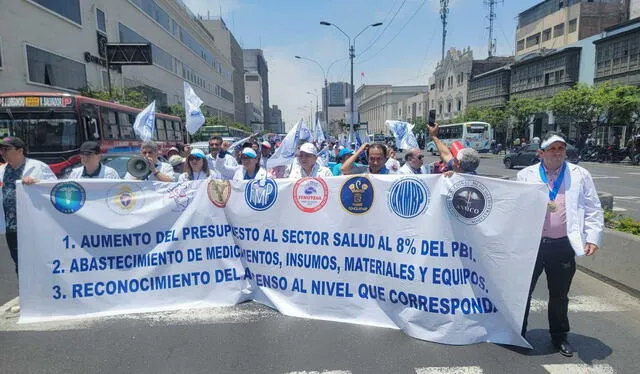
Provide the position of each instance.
(403, 51)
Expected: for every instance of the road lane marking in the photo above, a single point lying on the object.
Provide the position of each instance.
(450, 369)
(321, 372)
(626, 198)
(618, 209)
(603, 177)
(579, 368)
(591, 304)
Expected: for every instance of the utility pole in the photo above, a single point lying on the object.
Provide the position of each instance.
(444, 13)
(491, 17)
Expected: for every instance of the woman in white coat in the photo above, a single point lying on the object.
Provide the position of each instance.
(197, 168)
(250, 168)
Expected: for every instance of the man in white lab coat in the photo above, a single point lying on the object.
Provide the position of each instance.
(573, 226)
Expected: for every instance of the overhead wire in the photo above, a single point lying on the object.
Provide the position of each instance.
(386, 26)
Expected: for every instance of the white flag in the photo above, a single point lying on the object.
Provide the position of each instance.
(319, 134)
(403, 132)
(287, 150)
(145, 124)
(305, 133)
(192, 111)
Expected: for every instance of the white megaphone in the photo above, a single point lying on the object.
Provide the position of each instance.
(138, 167)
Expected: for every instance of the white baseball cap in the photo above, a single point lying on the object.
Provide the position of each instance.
(309, 148)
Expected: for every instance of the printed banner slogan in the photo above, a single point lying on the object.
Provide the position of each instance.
(444, 259)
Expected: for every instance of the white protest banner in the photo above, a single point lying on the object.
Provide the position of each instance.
(440, 258)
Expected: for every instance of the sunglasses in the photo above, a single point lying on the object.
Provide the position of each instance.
(420, 157)
(87, 153)
(193, 158)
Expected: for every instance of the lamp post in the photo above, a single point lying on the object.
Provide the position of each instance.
(316, 95)
(352, 54)
(325, 73)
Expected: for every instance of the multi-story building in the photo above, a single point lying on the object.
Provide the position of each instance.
(276, 119)
(60, 50)
(558, 23)
(232, 51)
(415, 108)
(451, 79)
(337, 97)
(378, 103)
(491, 88)
(255, 64)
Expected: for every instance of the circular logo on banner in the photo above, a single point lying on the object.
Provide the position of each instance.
(310, 194)
(123, 199)
(219, 192)
(68, 197)
(260, 194)
(181, 195)
(470, 201)
(356, 195)
(408, 197)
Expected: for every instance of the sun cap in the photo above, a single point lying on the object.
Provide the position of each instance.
(173, 149)
(309, 148)
(175, 160)
(12, 141)
(344, 152)
(249, 152)
(266, 144)
(455, 147)
(196, 152)
(551, 140)
(90, 147)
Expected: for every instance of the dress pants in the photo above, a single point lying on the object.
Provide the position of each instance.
(557, 259)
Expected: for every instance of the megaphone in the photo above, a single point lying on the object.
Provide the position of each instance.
(138, 167)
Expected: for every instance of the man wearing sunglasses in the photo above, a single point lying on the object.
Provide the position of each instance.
(414, 163)
(91, 165)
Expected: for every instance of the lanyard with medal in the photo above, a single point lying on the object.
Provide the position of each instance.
(552, 206)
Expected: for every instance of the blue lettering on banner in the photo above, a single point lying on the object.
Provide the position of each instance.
(206, 232)
(115, 240)
(379, 267)
(356, 195)
(261, 194)
(408, 197)
(476, 305)
(124, 262)
(331, 288)
(67, 197)
(456, 277)
(311, 261)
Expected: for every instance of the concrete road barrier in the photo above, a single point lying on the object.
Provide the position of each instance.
(617, 259)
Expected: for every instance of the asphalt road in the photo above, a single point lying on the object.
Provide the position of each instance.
(621, 180)
(254, 339)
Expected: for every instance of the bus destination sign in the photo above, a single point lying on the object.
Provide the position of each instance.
(36, 101)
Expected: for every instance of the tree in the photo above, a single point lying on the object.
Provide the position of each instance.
(522, 109)
(621, 103)
(131, 97)
(579, 105)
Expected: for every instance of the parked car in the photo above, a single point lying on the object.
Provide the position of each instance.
(528, 155)
(119, 161)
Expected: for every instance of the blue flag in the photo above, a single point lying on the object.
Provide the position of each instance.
(145, 123)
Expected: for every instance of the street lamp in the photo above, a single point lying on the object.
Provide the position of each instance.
(325, 73)
(352, 54)
(316, 95)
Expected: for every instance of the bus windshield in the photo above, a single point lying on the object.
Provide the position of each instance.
(42, 131)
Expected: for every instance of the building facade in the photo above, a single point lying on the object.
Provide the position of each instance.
(415, 108)
(490, 89)
(232, 51)
(255, 64)
(558, 23)
(60, 50)
(378, 103)
(276, 119)
(618, 55)
(451, 79)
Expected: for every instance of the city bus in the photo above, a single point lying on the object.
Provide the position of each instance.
(54, 125)
(476, 135)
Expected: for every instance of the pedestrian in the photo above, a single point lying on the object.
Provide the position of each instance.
(197, 168)
(343, 156)
(392, 164)
(250, 168)
(465, 160)
(573, 226)
(160, 171)
(414, 163)
(307, 165)
(265, 150)
(376, 158)
(17, 167)
(216, 150)
(92, 167)
(177, 163)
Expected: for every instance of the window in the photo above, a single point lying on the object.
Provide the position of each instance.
(573, 25)
(69, 9)
(533, 40)
(105, 80)
(102, 22)
(53, 70)
(251, 78)
(449, 107)
(558, 30)
(546, 35)
(459, 105)
(160, 130)
(520, 46)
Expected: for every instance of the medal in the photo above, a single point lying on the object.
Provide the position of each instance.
(552, 207)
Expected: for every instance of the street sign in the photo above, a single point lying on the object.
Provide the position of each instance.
(129, 54)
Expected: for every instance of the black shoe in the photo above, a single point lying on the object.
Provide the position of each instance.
(564, 347)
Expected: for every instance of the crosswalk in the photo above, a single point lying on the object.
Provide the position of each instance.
(551, 368)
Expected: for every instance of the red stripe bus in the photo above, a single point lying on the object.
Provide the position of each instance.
(54, 125)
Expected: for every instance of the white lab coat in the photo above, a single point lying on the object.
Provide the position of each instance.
(230, 163)
(106, 172)
(585, 219)
(38, 170)
(295, 171)
(406, 169)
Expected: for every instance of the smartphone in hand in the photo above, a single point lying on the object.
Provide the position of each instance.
(432, 118)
